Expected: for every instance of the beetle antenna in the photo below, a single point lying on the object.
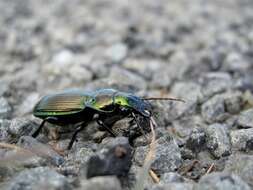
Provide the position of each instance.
(159, 98)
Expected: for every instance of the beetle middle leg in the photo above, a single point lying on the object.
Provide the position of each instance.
(48, 119)
(79, 129)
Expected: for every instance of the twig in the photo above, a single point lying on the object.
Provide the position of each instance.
(143, 175)
(154, 176)
(21, 155)
(210, 169)
(12, 146)
(189, 167)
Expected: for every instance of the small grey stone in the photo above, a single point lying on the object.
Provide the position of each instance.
(124, 77)
(117, 52)
(221, 181)
(245, 119)
(214, 83)
(214, 110)
(161, 79)
(112, 142)
(101, 183)
(167, 156)
(5, 108)
(39, 178)
(16, 159)
(236, 62)
(218, 141)
(79, 73)
(21, 126)
(40, 149)
(191, 93)
(113, 158)
(241, 165)
(146, 68)
(178, 73)
(173, 186)
(242, 139)
(171, 177)
(4, 126)
(82, 155)
(196, 140)
(185, 125)
(233, 101)
(63, 58)
(187, 91)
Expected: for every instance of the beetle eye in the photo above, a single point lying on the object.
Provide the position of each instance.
(92, 100)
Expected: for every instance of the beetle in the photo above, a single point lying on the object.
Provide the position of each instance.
(105, 106)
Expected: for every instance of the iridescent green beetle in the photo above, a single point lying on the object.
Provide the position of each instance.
(78, 107)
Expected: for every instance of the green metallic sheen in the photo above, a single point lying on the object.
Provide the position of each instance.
(62, 103)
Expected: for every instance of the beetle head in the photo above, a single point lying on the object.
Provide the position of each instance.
(133, 102)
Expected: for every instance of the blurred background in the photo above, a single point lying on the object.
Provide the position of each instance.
(197, 50)
(136, 46)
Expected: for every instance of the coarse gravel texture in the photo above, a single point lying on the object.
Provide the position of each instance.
(200, 51)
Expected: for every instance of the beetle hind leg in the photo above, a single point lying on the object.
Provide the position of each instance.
(36, 133)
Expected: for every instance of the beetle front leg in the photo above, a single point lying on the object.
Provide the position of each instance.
(36, 133)
(102, 124)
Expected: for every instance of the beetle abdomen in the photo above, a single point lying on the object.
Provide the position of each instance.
(60, 104)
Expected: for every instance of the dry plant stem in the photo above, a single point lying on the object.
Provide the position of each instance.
(12, 146)
(189, 167)
(21, 155)
(210, 169)
(154, 176)
(143, 175)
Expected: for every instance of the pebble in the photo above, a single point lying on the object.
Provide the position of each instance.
(117, 52)
(242, 165)
(173, 186)
(167, 157)
(242, 139)
(214, 83)
(220, 181)
(40, 149)
(101, 183)
(39, 178)
(245, 119)
(217, 140)
(114, 158)
(214, 110)
(197, 139)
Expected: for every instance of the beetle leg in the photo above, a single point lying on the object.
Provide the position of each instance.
(101, 123)
(138, 124)
(36, 133)
(80, 128)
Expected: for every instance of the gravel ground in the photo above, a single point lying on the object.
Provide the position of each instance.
(200, 51)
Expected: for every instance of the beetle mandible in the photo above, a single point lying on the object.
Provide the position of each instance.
(79, 107)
